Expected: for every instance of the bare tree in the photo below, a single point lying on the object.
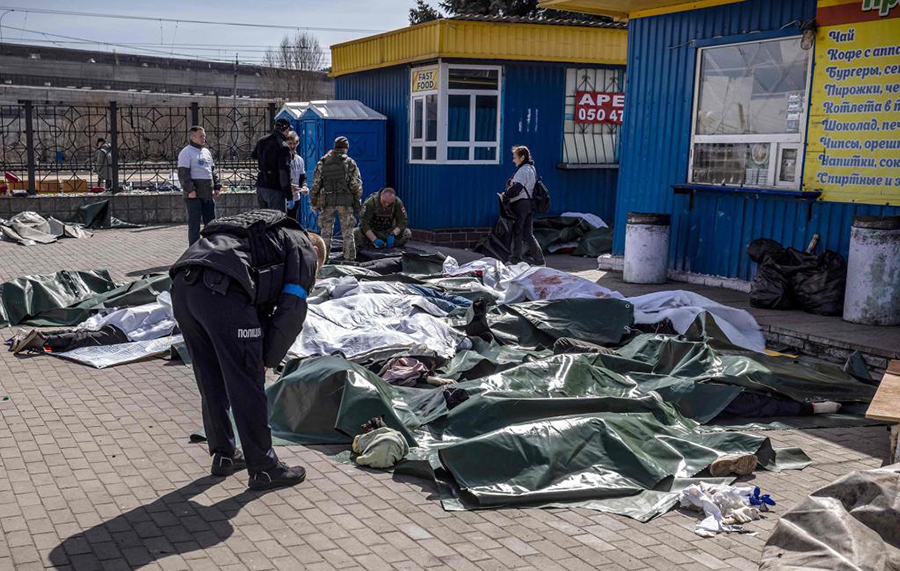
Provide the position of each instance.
(294, 66)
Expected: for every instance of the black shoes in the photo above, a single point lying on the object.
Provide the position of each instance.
(279, 476)
(224, 466)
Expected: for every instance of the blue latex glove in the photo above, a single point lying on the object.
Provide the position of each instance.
(289, 204)
(379, 243)
(390, 241)
(763, 501)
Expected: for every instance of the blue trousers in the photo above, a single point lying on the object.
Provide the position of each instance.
(199, 209)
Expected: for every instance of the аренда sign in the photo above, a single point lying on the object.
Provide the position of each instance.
(599, 107)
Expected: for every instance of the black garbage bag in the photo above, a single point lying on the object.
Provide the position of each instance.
(792, 261)
(760, 247)
(788, 278)
(771, 289)
(819, 288)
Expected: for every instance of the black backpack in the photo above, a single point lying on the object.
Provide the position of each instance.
(540, 197)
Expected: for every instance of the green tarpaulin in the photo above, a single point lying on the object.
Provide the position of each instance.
(558, 234)
(621, 432)
(556, 430)
(99, 215)
(68, 297)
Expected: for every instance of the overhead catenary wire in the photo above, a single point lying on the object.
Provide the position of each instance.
(251, 48)
(183, 20)
(156, 52)
(176, 45)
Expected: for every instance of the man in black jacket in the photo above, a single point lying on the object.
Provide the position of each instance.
(239, 296)
(273, 183)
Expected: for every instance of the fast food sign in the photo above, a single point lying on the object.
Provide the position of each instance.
(599, 107)
(424, 79)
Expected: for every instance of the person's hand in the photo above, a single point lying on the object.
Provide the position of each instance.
(304, 189)
(379, 243)
(390, 241)
(192, 194)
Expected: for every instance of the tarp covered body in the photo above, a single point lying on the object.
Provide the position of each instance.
(70, 297)
(620, 433)
(852, 524)
(138, 323)
(104, 356)
(573, 233)
(30, 228)
(384, 323)
(682, 308)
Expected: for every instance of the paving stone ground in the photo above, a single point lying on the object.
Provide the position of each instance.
(97, 473)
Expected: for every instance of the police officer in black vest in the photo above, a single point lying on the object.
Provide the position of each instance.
(239, 296)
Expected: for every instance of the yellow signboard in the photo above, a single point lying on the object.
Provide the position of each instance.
(853, 152)
(424, 79)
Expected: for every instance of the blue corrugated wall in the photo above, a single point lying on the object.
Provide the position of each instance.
(453, 196)
(711, 238)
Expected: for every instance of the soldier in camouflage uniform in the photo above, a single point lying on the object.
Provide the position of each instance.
(337, 189)
(383, 222)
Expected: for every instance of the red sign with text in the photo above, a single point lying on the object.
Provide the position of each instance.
(597, 107)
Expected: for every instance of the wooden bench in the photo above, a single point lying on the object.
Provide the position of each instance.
(886, 406)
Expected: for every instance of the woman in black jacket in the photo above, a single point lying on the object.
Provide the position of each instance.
(519, 191)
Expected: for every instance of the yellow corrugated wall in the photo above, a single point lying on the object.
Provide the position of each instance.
(481, 40)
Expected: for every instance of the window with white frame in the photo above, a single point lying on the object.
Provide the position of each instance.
(750, 108)
(455, 114)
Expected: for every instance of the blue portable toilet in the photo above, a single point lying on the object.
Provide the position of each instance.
(321, 123)
(292, 111)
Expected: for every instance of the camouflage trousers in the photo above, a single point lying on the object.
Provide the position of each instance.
(326, 223)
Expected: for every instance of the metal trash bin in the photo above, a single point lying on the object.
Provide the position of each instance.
(872, 296)
(646, 248)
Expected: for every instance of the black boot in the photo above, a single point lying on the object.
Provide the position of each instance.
(225, 466)
(281, 475)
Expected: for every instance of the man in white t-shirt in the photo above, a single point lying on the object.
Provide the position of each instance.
(196, 173)
(298, 177)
